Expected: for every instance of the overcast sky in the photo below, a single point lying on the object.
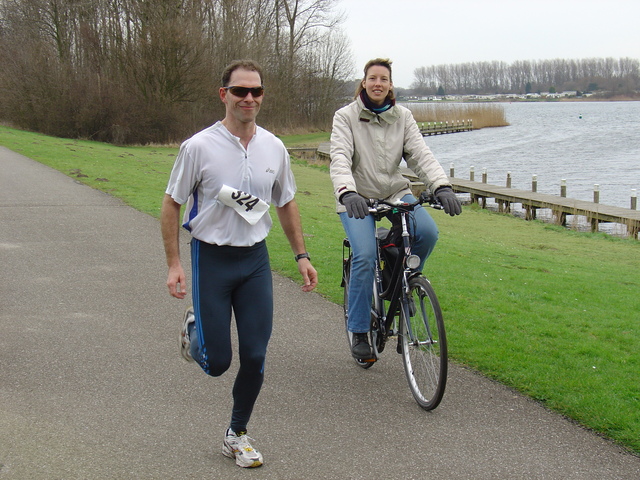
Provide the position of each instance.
(415, 33)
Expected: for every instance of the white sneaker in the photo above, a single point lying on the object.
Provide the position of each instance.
(238, 446)
(183, 339)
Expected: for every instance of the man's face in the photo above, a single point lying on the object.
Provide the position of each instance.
(242, 109)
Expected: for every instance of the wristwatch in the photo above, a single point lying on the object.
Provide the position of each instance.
(302, 255)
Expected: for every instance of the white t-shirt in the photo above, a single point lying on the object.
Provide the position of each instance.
(213, 158)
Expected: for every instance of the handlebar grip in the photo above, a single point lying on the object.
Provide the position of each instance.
(424, 199)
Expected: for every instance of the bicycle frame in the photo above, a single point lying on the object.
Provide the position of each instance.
(411, 300)
(398, 289)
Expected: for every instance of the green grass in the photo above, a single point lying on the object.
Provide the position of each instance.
(310, 139)
(550, 312)
(137, 175)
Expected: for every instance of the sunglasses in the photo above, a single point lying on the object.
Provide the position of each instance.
(242, 92)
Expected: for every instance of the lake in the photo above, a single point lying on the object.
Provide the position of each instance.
(585, 143)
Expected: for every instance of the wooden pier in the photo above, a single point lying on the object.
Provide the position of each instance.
(531, 201)
(426, 128)
(437, 128)
(560, 207)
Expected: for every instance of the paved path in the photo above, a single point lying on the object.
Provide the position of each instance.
(92, 386)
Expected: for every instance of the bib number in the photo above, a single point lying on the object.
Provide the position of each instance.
(248, 206)
(245, 199)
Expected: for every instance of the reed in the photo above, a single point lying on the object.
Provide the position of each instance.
(481, 114)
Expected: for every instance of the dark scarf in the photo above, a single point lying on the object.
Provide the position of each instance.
(388, 103)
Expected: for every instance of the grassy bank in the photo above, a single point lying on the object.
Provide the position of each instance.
(549, 312)
(310, 140)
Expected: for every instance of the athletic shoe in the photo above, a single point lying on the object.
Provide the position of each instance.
(237, 445)
(360, 349)
(184, 340)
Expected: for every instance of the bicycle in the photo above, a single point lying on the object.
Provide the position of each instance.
(404, 304)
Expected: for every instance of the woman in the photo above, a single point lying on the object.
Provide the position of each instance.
(369, 139)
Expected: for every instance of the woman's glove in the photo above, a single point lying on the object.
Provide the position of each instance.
(448, 200)
(356, 205)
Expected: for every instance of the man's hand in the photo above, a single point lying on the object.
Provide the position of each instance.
(448, 200)
(289, 216)
(356, 205)
(169, 224)
(309, 274)
(177, 282)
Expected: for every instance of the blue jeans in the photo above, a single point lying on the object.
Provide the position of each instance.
(361, 234)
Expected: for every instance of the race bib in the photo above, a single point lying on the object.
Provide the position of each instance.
(248, 206)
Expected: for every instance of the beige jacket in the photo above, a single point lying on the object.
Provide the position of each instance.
(366, 151)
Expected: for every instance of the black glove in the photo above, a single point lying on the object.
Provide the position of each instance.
(448, 200)
(356, 205)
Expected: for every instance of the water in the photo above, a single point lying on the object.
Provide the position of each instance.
(585, 143)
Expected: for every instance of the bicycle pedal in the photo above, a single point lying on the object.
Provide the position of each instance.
(367, 360)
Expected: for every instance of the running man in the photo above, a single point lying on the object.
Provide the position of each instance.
(228, 175)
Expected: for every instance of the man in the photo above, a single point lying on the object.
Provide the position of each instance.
(229, 174)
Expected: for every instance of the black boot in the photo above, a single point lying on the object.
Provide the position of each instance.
(360, 349)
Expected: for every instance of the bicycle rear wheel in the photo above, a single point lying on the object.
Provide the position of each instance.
(424, 344)
(346, 273)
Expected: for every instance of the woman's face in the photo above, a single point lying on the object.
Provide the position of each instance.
(377, 83)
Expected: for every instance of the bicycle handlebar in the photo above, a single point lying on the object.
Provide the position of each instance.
(379, 206)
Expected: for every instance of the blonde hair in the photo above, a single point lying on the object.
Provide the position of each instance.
(380, 62)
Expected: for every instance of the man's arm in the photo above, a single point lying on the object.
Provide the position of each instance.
(170, 226)
(289, 216)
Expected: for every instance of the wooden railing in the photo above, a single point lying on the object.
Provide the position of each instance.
(437, 128)
(531, 201)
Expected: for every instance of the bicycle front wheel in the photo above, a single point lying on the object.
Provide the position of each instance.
(424, 344)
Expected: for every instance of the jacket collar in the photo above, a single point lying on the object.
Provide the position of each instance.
(366, 115)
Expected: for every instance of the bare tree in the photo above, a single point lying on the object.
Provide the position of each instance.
(139, 71)
(616, 76)
(328, 64)
(298, 36)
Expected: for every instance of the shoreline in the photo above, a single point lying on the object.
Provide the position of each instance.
(617, 98)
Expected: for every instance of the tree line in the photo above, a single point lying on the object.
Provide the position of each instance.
(615, 76)
(140, 71)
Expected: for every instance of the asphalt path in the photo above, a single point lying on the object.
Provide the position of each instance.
(92, 385)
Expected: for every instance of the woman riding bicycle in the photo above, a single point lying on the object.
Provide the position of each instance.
(369, 139)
